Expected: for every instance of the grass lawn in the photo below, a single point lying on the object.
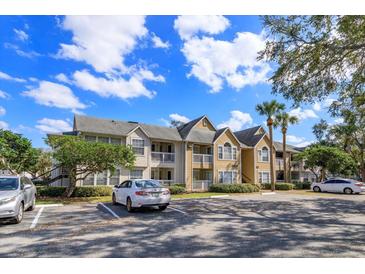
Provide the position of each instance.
(106, 199)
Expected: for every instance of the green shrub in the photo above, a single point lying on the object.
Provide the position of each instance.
(50, 191)
(279, 186)
(302, 185)
(85, 191)
(177, 189)
(234, 188)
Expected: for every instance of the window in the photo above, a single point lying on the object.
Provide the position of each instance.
(138, 146)
(227, 177)
(103, 139)
(220, 153)
(115, 141)
(264, 177)
(136, 174)
(90, 138)
(102, 178)
(264, 154)
(204, 123)
(114, 178)
(89, 180)
(153, 147)
(227, 152)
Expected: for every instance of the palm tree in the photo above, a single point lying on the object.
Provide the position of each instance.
(270, 110)
(283, 120)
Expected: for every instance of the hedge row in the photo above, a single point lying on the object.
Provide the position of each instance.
(302, 185)
(85, 191)
(177, 189)
(279, 186)
(234, 188)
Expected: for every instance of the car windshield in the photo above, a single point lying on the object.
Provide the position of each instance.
(148, 184)
(8, 184)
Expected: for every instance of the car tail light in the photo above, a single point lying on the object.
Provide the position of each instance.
(141, 193)
(359, 184)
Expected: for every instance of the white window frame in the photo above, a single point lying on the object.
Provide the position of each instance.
(136, 169)
(260, 177)
(103, 138)
(234, 175)
(139, 147)
(260, 155)
(224, 156)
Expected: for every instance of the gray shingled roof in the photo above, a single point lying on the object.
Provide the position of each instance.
(122, 128)
(289, 148)
(185, 128)
(248, 137)
(197, 135)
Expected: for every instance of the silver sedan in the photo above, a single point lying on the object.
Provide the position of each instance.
(17, 194)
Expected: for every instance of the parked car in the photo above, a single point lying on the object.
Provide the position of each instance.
(342, 185)
(141, 193)
(17, 194)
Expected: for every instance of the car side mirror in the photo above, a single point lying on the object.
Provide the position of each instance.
(27, 187)
(116, 186)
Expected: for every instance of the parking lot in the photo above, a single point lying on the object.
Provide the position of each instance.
(280, 225)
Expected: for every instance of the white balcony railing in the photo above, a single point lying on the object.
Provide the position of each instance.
(166, 182)
(201, 185)
(279, 162)
(163, 157)
(202, 158)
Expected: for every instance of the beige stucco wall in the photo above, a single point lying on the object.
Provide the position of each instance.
(262, 166)
(226, 165)
(207, 126)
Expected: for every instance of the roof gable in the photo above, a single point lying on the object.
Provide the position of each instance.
(250, 136)
(185, 129)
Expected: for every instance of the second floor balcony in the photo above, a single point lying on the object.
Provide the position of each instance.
(202, 158)
(163, 157)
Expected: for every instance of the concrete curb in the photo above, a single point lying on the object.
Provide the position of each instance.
(218, 196)
(48, 205)
(268, 193)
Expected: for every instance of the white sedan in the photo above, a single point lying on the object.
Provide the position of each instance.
(141, 193)
(341, 185)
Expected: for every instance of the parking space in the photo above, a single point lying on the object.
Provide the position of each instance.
(281, 225)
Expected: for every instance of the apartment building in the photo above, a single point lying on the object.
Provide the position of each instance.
(196, 153)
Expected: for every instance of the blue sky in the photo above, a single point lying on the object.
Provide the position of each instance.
(148, 69)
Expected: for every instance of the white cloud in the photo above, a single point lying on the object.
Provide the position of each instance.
(215, 62)
(63, 78)
(2, 111)
(102, 41)
(304, 144)
(114, 87)
(55, 95)
(21, 35)
(158, 43)
(6, 76)
(178, 117)
(237, 121)
(4, 125)
(189, 25)
(328, 102)
(28, 54)
(294, 139)
(4, 95)
(317, 106)
(47, 125)
(303, 113)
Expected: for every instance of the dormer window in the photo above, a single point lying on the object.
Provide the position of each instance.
(204, 122)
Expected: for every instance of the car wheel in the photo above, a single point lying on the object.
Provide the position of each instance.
(19, 217)
(129, 205)
(347, 190)
(114, 199)
(32, 206)
(316, 189)
(162, 208)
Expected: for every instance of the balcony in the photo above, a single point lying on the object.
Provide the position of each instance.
(163, 157)
(201, 185)
(202, 158)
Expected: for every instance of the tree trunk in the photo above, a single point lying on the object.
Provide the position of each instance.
(71, 185)
(323, 174)
(269, 124)
(284, 156)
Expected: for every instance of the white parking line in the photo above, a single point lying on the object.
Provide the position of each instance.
(111, 211)
(49, 205)
(36, 218)
(178, 210)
